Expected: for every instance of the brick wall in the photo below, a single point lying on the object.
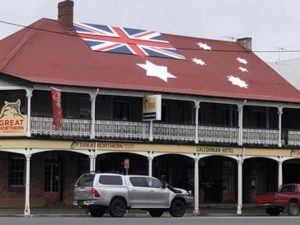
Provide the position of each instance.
(11, 197)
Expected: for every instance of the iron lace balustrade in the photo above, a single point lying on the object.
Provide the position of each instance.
(214, 134)
(260, 136)
(173, 132)
(293, 138)
(121, 129)
(70, 127)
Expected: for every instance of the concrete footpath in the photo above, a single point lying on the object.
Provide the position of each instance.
(69, 211)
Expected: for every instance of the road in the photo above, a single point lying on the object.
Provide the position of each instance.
(192, 220)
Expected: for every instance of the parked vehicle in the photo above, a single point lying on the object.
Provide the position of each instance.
(286, 200)
(115, 193)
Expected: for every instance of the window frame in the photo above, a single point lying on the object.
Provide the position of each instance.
(150, 182)
(110, 176)
(145, 185)
(18, 171)
(117, 116)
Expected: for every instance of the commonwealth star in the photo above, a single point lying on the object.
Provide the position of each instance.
(153, 70)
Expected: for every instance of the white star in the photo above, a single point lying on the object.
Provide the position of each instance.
(156, 71)
(241, 60)
(237, 81)
(199, 61)
(243, 69)
(204, 46)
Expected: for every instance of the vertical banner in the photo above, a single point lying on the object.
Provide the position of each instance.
(56, 107)
(152, 108)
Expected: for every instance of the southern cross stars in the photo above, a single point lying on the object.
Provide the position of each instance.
(242, 61)
(199, 61)
(204, 46)
(237, 81)
(153, 70)
(243, 69)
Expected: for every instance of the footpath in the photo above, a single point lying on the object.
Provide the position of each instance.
(69, 211)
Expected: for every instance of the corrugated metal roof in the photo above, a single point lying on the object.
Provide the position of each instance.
(227, 70)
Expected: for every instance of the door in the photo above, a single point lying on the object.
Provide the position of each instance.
(158, 197)
(138, 192)
(53, 190)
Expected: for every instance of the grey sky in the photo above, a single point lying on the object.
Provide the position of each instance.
(272, 24)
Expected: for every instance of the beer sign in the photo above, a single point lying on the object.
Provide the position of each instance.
(152, 108)
(12, 121)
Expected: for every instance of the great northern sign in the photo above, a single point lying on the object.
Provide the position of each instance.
(12, 122)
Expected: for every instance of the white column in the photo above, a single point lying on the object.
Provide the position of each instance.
(92, 163)
(279, 173)
(27, 186)
(150, 160)
(279, 125)
(197, 106)
(240, 186)
(151, 131)
(93, 113)
(196, 187)
(240, 110)
(28, 95)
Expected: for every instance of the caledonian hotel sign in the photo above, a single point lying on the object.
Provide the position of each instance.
(12, 121)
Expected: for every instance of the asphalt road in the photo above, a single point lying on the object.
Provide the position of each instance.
(150, 221)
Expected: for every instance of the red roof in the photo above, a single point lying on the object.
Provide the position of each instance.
(53, 58)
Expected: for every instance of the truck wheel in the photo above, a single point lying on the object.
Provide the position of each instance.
(96, 211)
(177, 208)
(293, 209)
(117, 208)
(156, 212)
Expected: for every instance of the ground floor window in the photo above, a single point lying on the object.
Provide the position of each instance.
(16, 170)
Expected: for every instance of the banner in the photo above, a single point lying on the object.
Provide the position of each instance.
(152, 108)
(12, 121)
(56, 107)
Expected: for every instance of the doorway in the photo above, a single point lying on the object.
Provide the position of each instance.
(53, 182)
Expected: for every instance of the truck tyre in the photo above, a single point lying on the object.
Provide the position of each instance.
(96, 211)
(117, 208)
(293, 209)
(177, 208)
(156, 212)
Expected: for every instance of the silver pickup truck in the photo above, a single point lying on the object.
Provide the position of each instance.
(115, 193)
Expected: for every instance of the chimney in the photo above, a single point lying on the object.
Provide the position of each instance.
(245, 42)
(65, 14)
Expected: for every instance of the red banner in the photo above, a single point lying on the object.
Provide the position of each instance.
(56, 107)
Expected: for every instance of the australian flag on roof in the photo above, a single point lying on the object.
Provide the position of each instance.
(126, 41)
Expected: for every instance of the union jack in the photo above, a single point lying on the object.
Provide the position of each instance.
(126, 40)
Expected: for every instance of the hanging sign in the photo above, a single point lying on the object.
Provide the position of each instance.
(152, 108)
(12, 121)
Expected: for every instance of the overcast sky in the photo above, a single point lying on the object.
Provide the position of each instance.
(272, 24)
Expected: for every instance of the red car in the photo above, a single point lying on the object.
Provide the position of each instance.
(286, 200)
